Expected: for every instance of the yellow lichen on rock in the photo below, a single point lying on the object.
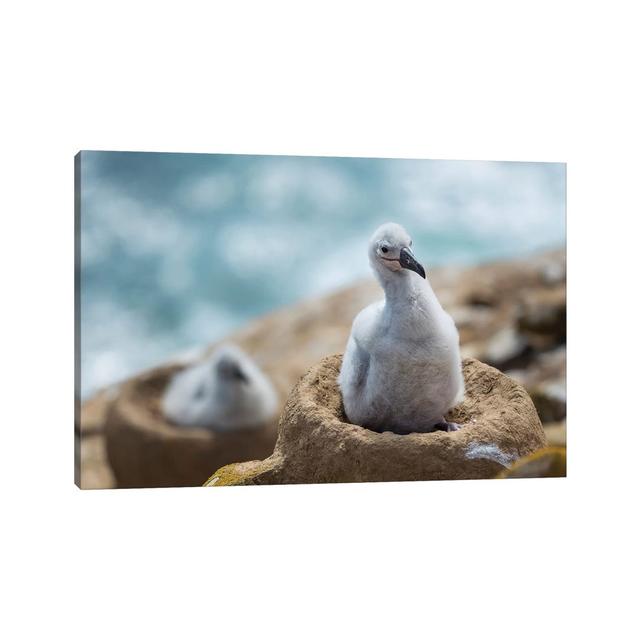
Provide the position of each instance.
(550, 462)
(240, 473)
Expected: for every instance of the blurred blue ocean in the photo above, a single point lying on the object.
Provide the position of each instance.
(177, 250)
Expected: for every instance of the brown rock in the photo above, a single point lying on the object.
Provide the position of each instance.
(145, 450)
(92, 469)
(549, 365)
(93, 412)
(556, 434)
(550, 399)
(317, 444)
(505, 349)
(542, 317)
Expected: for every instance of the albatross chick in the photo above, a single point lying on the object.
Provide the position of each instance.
(402, 369)
(225, 392)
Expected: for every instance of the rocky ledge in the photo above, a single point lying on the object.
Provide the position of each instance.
(316, 443)
(510, 314)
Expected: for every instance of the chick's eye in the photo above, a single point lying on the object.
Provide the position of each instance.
(384, 249)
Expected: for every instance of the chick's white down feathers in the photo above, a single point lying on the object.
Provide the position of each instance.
(402, 369)
(225, 392)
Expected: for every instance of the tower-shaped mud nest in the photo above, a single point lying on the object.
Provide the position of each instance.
(146, 450)
(317, 444)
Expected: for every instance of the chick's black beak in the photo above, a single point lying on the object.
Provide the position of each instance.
(408, 261)
(240, 375)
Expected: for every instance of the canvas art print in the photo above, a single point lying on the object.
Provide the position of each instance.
(252, 320)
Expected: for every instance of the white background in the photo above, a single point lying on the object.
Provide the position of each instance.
(476, 80)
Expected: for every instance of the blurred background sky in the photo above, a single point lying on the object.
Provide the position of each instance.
(179, 249)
